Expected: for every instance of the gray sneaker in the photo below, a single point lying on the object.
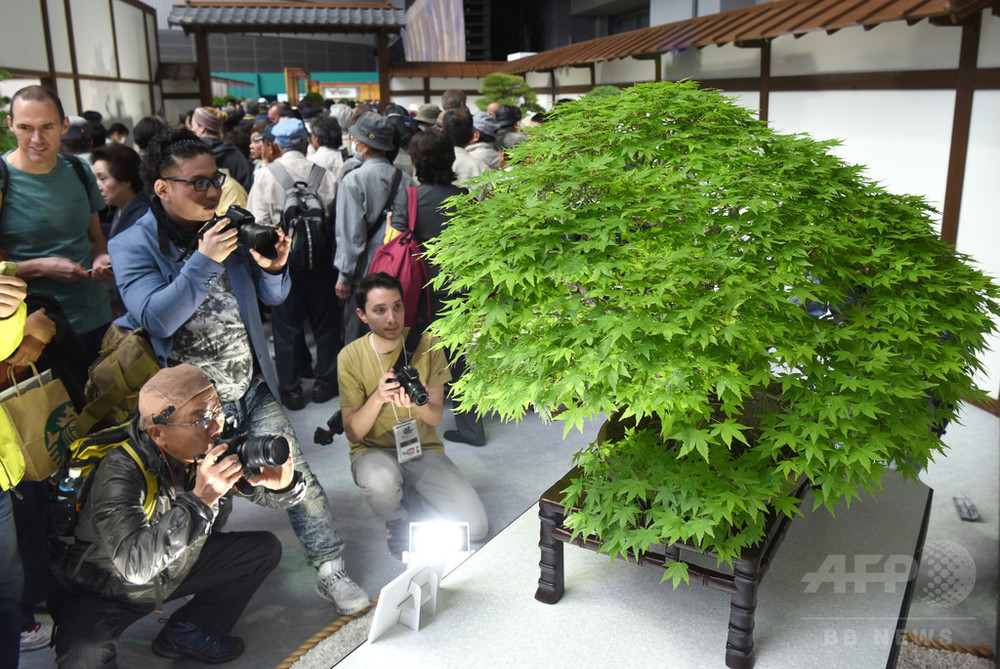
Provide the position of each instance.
(335, 586)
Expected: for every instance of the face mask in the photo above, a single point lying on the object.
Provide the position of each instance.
(354, 149)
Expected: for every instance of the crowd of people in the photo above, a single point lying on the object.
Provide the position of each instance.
(108, 238)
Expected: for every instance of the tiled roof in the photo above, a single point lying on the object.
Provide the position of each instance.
(300, 17)
(749, 25)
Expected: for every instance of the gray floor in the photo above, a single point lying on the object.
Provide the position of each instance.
(519, 463)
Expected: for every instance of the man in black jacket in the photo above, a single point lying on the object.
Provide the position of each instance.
(129, 557)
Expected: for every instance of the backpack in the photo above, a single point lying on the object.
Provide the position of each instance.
(402, 258)
(82, 458)
(303, 216)
(126, 361)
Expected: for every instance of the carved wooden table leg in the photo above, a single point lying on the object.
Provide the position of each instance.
(550, 581)
(739, 645)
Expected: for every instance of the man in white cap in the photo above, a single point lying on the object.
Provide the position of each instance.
(132, 555)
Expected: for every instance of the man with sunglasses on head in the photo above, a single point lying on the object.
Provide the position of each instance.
(186, 280)
(132, 554)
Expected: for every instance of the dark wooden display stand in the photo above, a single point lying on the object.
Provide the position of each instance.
(741, 581)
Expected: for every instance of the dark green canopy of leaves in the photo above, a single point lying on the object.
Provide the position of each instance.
(649, 253)
(507, 89)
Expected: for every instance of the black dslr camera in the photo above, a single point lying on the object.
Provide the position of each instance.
(249, 233)
(335, 426)
(253, 453)
(409, 379)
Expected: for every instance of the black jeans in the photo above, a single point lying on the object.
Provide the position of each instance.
(312, 295)
(230, 568)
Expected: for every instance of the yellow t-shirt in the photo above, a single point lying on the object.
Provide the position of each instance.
(358, 372)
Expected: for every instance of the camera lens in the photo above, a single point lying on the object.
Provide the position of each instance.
(260, 238)
(267, 451)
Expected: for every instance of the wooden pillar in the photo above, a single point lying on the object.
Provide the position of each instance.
(552, 85)
(383, 68)
(961, 123)
(71, 42)
(48, 81)
(204, 68)
(765, 79)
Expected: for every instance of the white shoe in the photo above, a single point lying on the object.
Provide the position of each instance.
(335, 586)
(37, 637)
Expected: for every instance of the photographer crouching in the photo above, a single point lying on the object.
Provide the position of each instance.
(392, 398)
(149, 532)
(192, 281)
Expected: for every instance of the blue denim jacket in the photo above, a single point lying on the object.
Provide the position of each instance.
(161, 294)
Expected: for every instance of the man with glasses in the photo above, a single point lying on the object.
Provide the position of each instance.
(186, 280)
(127, 561)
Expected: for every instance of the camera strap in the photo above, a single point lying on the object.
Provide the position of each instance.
(410, 345)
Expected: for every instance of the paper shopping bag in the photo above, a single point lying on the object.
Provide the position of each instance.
(43, 420)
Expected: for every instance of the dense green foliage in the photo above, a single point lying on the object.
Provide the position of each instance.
(7, 139)
(507, 89)
(603, 91)
(649, 253)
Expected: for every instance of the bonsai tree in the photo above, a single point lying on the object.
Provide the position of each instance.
(7, 139)
(750, 308)
(507, 89)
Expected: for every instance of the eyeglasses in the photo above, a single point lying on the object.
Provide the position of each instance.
(203, 423)
(201, 184)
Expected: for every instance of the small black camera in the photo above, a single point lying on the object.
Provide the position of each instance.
(249, 233)
(253, 453)
(409, 379)
(335, 426)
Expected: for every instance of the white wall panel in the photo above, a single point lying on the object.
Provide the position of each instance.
(537, 79)
(406, 84)
(989, 41)
(116, 101)
(889, 46)
(131, 37)
(573, 76)
(979, 222)
(711, 62)
(749, 99)
(60, 36)
(67, 94)
(152, 44)
(624, 71)
(95, 51)
(21, 37)
(467, 84)
(902, 137)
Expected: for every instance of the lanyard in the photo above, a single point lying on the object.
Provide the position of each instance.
(371, 341)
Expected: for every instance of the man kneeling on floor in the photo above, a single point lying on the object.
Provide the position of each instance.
(128, 560)
(397, 458)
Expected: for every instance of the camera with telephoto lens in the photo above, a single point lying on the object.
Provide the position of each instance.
(253, 453)
(249, 233)
(409, 379)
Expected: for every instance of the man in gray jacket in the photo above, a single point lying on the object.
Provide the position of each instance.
(364, 197)
(132, 553)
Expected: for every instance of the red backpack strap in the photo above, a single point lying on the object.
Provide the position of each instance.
(411, 206)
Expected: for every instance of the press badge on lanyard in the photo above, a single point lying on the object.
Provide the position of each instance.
(407, 440)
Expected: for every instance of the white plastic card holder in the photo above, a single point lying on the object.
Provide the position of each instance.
(407, 440)
(404, 599)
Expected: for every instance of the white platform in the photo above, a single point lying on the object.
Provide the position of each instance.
(619, 614)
